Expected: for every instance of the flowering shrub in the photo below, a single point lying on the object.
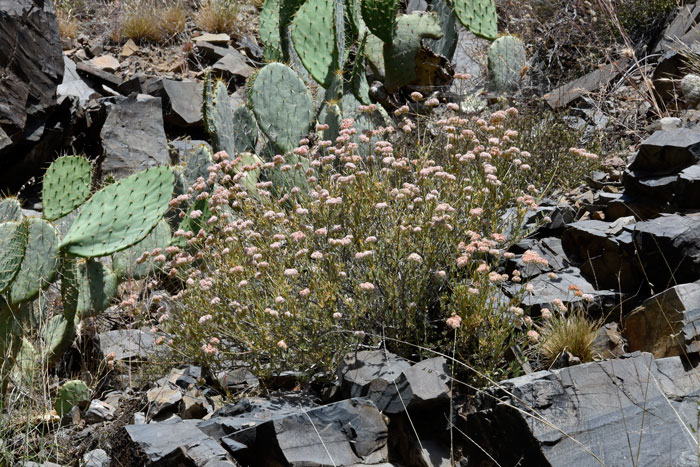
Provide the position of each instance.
(388, 238)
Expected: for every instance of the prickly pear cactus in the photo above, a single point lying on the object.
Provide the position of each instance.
(447, 44)
(358, 78)
(379, 17)
(506, 61)
(196, 165)
(220, 124)
(479, 16)
(56, 336)
(314, 37)
(374, 52)
(270, 30)
(66, 186)
(246, 137)
(125, 262)
(10, 210)
(282, 106)
(120, 214)
(400, 54)
(192, 223)
(87, 288)
(71, 394)
(27, 364)
(13, 242)
(40, 262)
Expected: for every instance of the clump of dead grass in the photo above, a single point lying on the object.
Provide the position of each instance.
(153, 22)
(218, 16)
(568, 331)
(68, 25)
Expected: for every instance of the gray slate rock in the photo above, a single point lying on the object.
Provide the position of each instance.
(73, 84)
(350, 432)
(96, 458)
(596, 409)
(127, 344)
(667, 152)
(669, 248)
(184, 103)
(31, 60)
(594, 247)
(133, 137)
(666, 324)
(394, 384)
(546, 290)
(175, 443)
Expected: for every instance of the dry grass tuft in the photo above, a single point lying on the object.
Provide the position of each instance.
(569, 332)
(217, 16)
(149, 22)
(68, 26)
(173, 20)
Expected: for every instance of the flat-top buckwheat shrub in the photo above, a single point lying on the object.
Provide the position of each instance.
(385, 232)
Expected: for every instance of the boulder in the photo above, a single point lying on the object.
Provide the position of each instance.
(394, 384)
(170, 443)
(184, 99)
(163, 399)
(250, 412)
(545, 290)
(665, 324)
(630, 411)
(549, 248)
(133, 137)
(127, 344)
(594, 247)
(347, 433)
(668, 247)
(73, 84)
(96, 458)
(667, 152)
(31, 68)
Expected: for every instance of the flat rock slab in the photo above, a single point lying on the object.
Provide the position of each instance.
(665, 324)
(669, 248)
(133, 137)
(31, 62)
(593, 246)
(127, 344)
(73, 85)
(185, 102)
(598, 413)
(545, 290)
(349, 432)
(667, 152)
(175, 443)
(393, 384)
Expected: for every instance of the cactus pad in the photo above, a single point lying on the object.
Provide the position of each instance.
(358, 78)
(87, 288)
(379, 17)
(13, 242)
(57, 336)
(197, 164)
(314, 38)
(10, 210)
(66, 186)
(506, 61)
(219, 121)
(447, 44)
(400, 54)
(72, 393)
(374, 52)
(282, 106)
(270, 30)
(246, 138)
(40, 261)
(479, 16)
(124, 262)
(120, 214)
